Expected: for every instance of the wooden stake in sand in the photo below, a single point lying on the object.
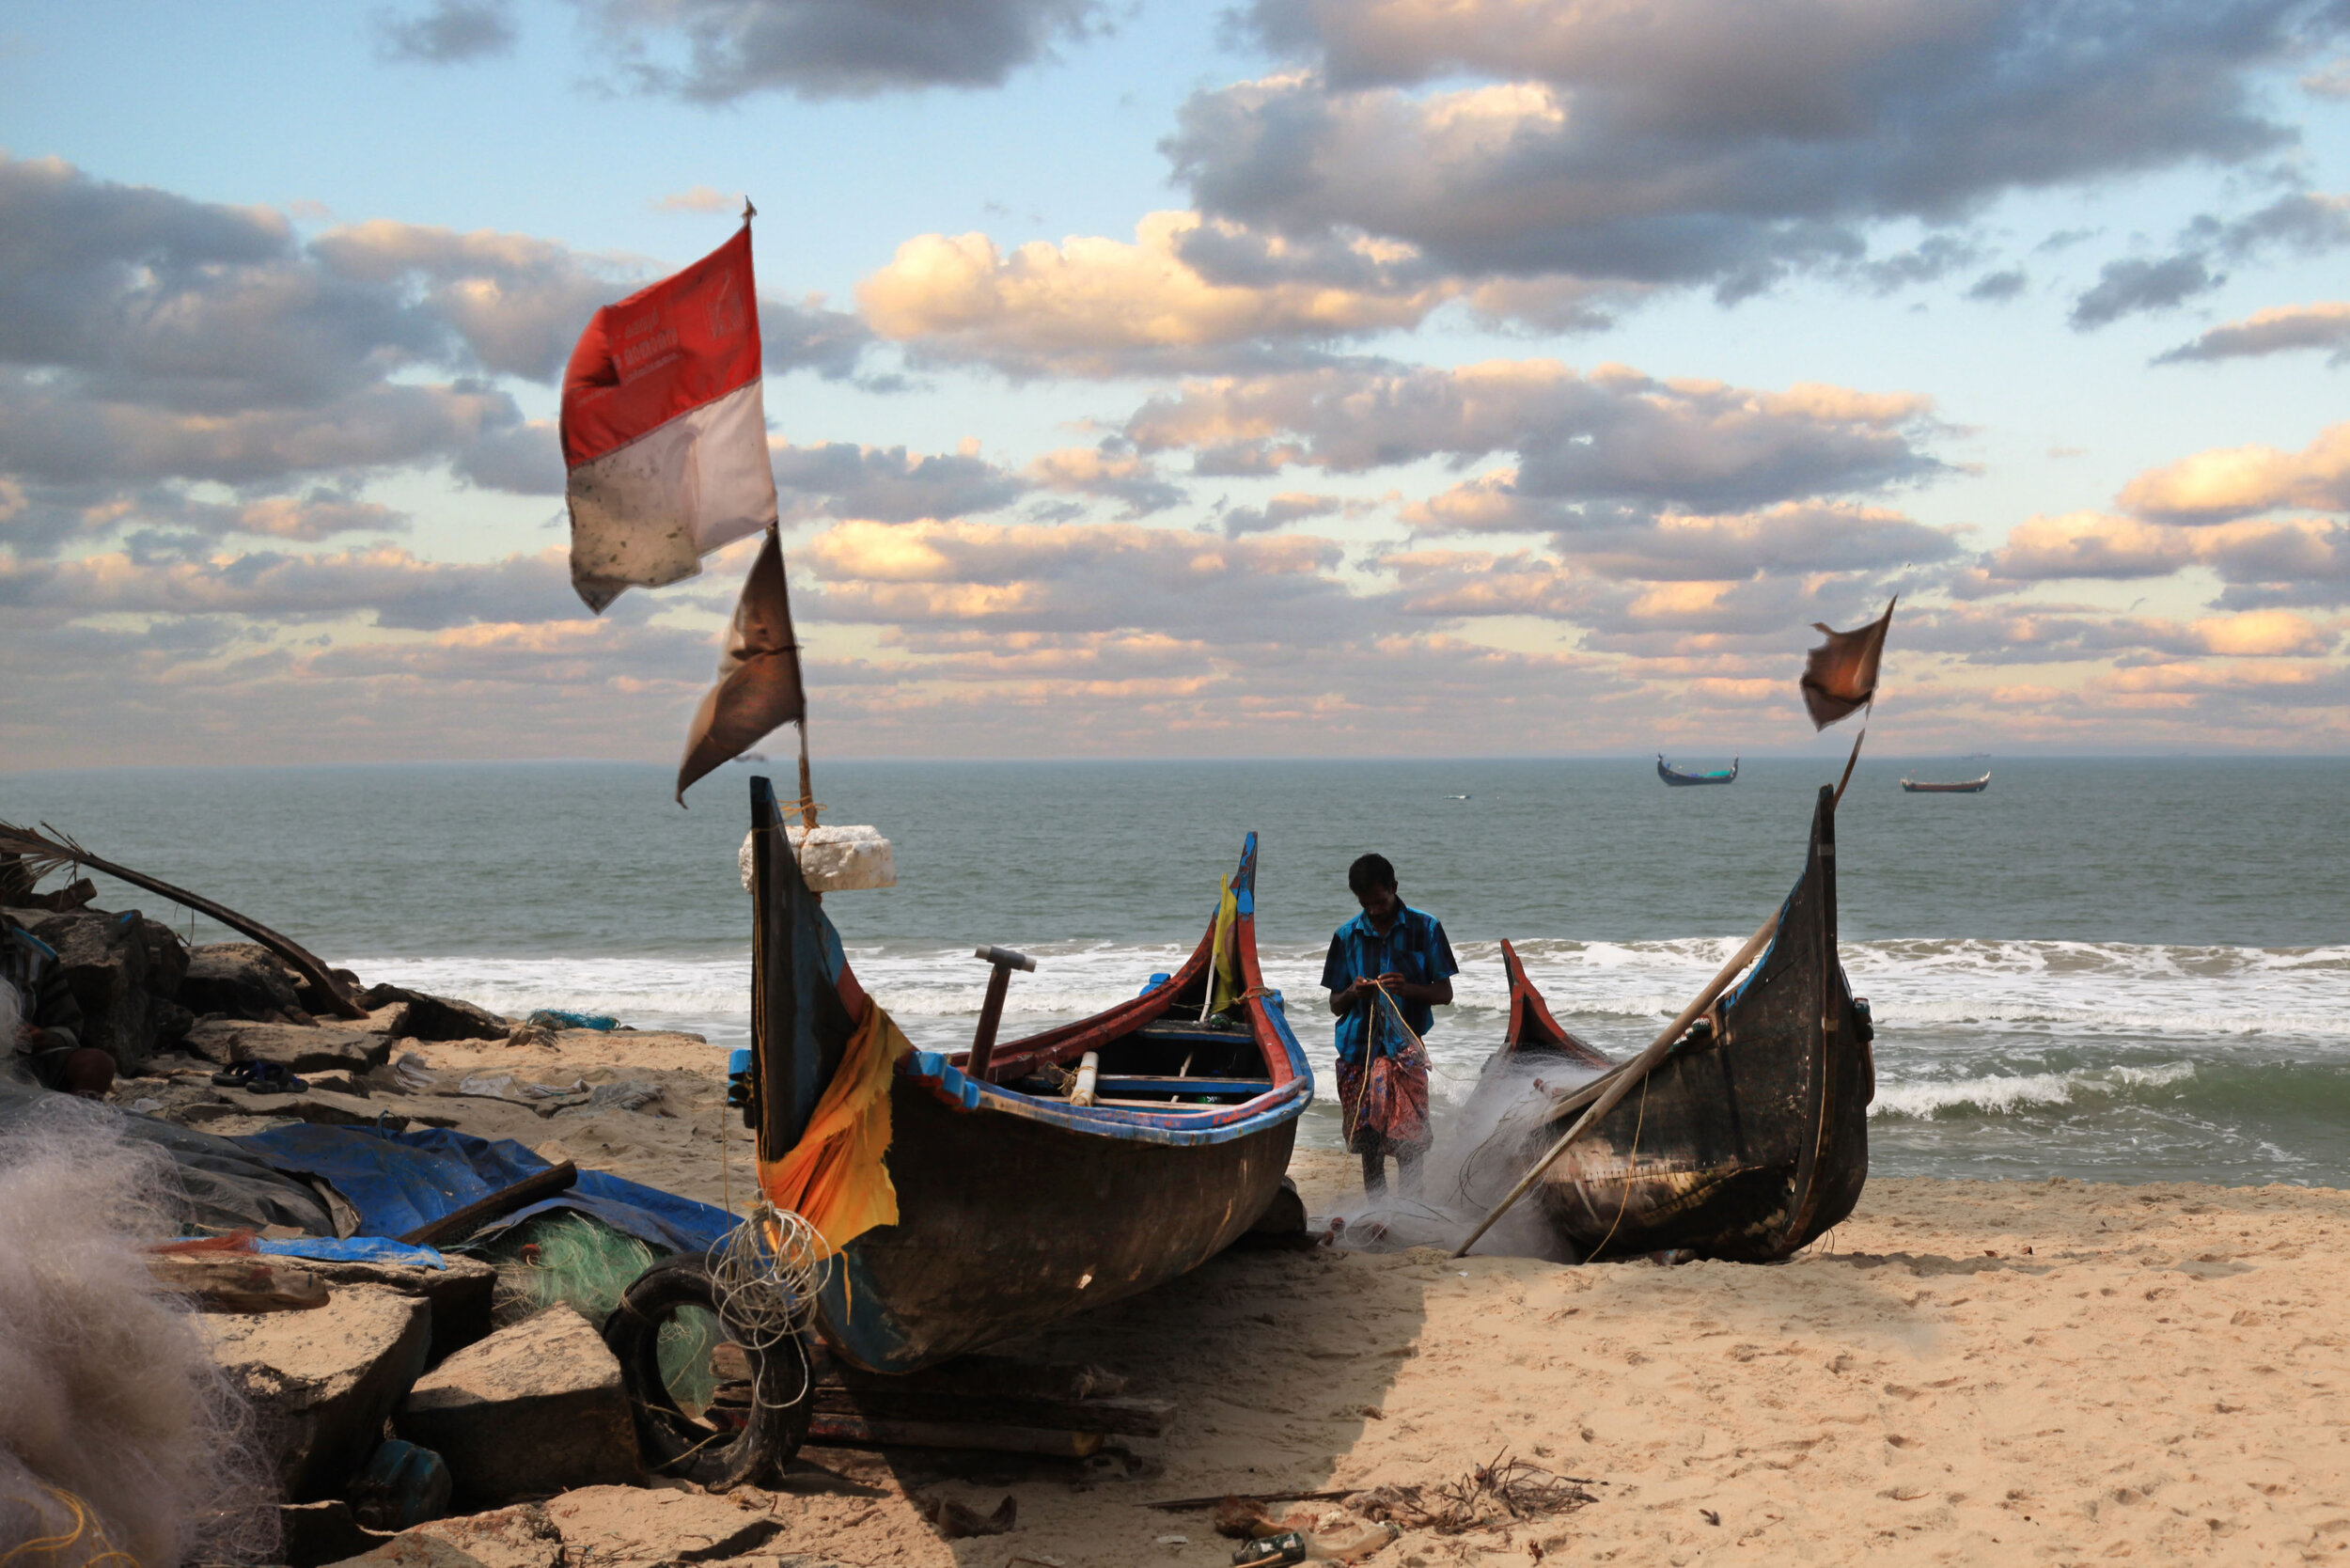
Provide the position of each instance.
(1632, 1072)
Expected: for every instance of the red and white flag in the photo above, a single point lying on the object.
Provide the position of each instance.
(665, 431)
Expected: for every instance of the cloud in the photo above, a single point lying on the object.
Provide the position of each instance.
(2322, 325)
(1985, 636)
(1679, 143)
(1105, 307)
(2260, 564)
(387, 584)
(2305, 222)
(2134, 284)
(1289, 506)
(1997, 288)
(1614, 436)
(2236, 481)
(1108, 470)
(445, 33)
(698, 198)
(712, 51)
(838, 478)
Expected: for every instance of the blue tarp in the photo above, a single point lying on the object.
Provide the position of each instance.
(352, 1249)
(400, 1181)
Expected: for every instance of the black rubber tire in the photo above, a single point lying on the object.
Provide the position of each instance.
(673, 1442)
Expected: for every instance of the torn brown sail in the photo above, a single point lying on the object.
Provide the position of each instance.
(758, 675)
(1839, 677)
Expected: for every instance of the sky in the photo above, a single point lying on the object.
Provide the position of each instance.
(1381, 378)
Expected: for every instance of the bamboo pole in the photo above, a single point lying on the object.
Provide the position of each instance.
(1620, 1082)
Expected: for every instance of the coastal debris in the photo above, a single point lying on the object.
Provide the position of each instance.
(532, 1409)
(401, 1486)
(42, 854)
(323, 1382)
(956, 1521)
(1505, 1492)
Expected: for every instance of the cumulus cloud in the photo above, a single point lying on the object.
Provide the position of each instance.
(1106, 307)
(2277, 330)
(1289, 506)
(1109, 470)
(2260, 564)
(840, 479)
(1682, 143)
(447, 32)
(712, 51)
(393, 587)
(2306, 222)
(2236, 481)
(696, 198)
(1613, 435)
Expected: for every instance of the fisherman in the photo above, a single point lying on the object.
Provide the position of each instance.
(1383, 1067)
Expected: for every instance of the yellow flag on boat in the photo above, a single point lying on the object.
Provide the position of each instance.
(834, 1177)
(1225, 984)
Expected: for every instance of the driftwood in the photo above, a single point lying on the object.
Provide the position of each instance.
(237, 1281)
(43, 855)
(459, 1224)
(1186, 1505)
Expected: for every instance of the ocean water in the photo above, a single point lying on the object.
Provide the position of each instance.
(2114, 970)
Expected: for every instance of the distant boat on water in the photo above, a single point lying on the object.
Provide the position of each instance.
(1962, 787)
(1672, 774)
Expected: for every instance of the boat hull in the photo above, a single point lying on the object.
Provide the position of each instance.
(1962, 787)
(1679, 779)
(1097, 1219)
(1746, 1146)
(1016, 1205)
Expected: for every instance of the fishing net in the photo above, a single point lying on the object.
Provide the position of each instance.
(567, 1259)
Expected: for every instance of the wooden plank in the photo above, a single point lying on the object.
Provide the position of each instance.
(237, 1281)
(463, 1222)
(1135, 1084)
(1141, 1417)
(985, 1374)
(858, 1432)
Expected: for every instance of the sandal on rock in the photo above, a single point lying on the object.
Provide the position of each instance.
(270, 1077)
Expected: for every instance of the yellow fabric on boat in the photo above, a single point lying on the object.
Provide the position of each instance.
(834, 1177)
(1225, 986)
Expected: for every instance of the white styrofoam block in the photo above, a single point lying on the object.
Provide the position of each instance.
(835, 859)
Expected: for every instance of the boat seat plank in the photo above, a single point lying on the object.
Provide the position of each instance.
(1112, 1083)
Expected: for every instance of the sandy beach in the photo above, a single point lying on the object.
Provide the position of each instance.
(1965, 1372)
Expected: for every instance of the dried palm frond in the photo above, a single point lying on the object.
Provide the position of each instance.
(49, 850)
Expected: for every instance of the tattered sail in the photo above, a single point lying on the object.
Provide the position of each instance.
(1839, 677)
(759, 686)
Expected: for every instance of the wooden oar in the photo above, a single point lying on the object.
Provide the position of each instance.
(1619, 1083)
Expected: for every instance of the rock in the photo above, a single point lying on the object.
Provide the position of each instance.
(297, 1047)
(169, 1022)
(240, 980)
(460, 1292)
(109, 962)
(518, 1537)
(432, 1017)
(323, 1382)
(533, 1409)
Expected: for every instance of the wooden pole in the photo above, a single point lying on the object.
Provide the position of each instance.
(1632, 1072)
(807, 790)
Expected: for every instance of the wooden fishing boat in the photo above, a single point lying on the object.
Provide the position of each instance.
(1964, 786)
(1019, 1202)
(1749, 1139)
(1674, 775)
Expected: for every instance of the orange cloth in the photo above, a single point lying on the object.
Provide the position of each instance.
(834, 1177)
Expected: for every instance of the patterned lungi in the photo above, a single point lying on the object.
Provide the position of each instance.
(1385, 1111)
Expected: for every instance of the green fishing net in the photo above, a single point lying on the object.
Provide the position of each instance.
(563, 1257)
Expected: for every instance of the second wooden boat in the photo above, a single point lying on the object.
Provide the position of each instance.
(1749, 1139)
(1674, 775)
(1057, 1172)
(1964, 786)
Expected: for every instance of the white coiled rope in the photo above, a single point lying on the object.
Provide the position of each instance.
(764, 1277)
